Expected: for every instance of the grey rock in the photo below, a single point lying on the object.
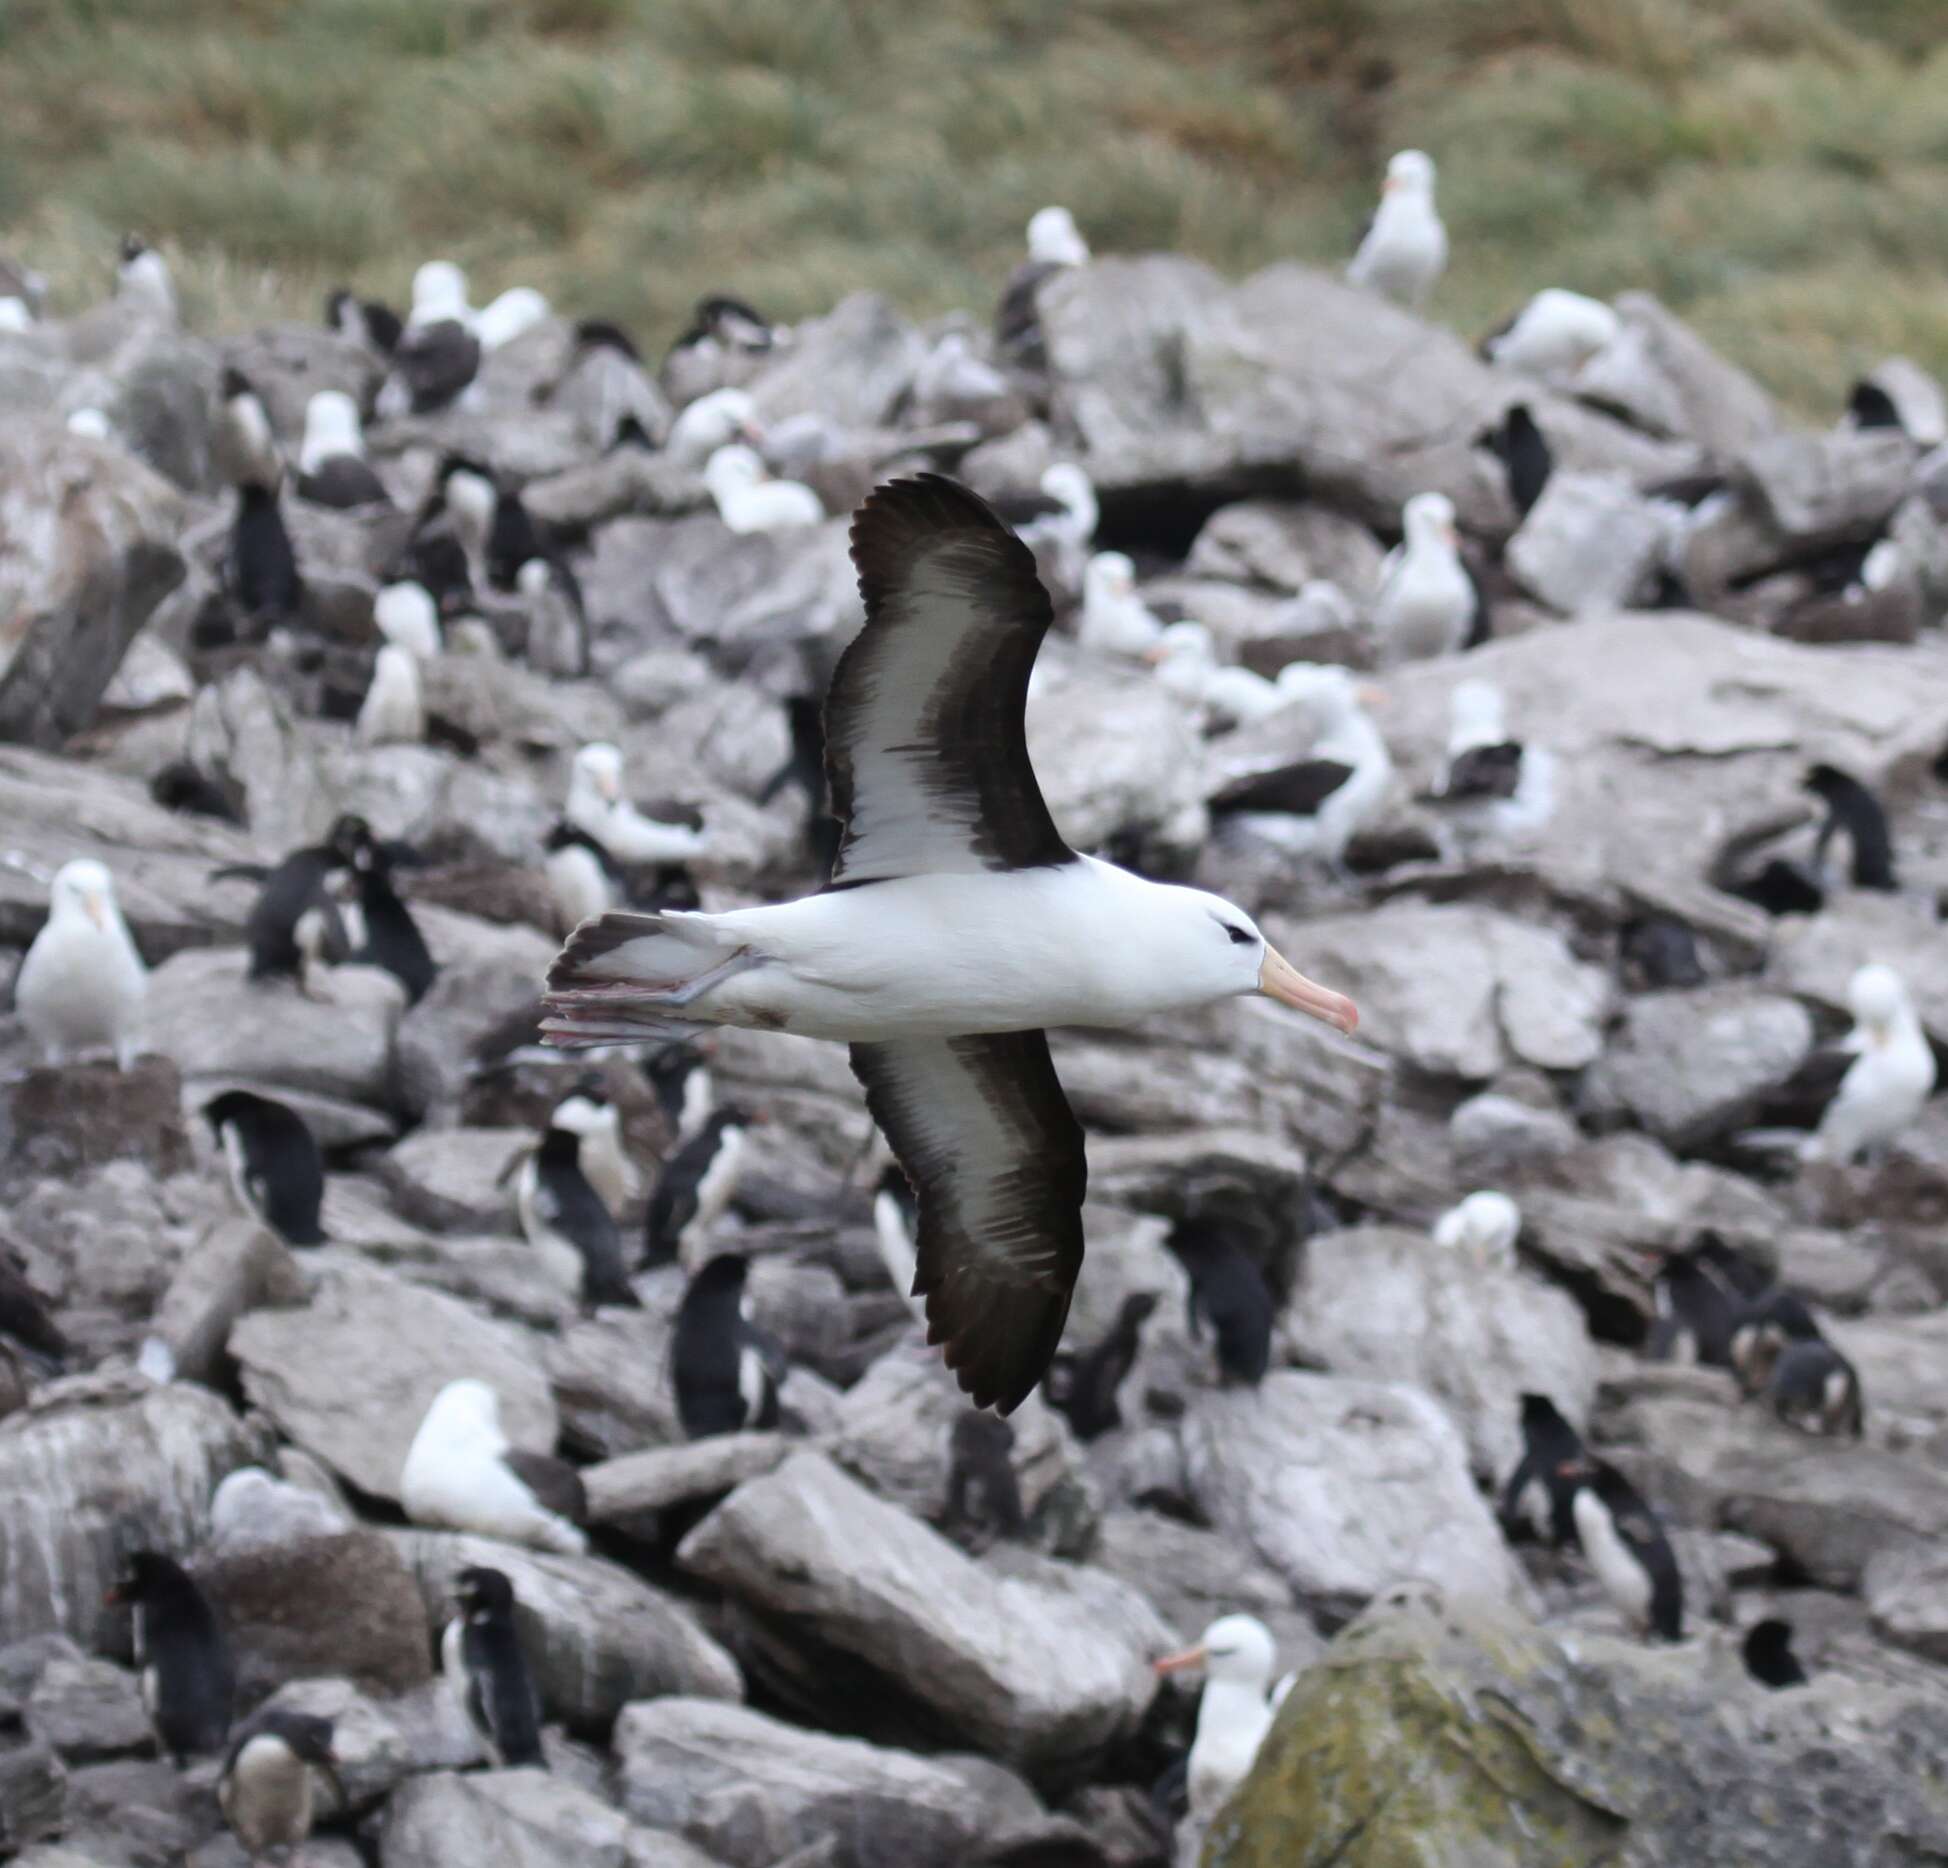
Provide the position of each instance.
(380, 1743)
(456, 1179)
(138, 1811)
(596, 1366)
(1907, 1595)
(1344, 1488)
(1391, 1305)
(33, 1794)
(288, 364)
(340, 1046)
(1825, 489)
(591, 493)
(852, 366)
(1819, 954)
(90, 550)
(523, 1819)
(662, 1476)
(1663, 377)
(597, 1636)
(751, 1790)
(237, 1267)
(253, 1510)
(1590, 543)
(68, 1120)
(1492, 1134)
(1045, 1667)
(349, 1377)
(91, 1466)
(87, 1710)
(241, 727)
(1689, 1065)
(1284, 546)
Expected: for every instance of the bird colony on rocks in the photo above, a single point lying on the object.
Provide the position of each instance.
(483, 1380)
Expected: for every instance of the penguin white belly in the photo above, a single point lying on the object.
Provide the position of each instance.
(1625, 1581)
(266, 1796)
(752, 1382)
(608, 1170)
(719, 1182)
(238, 1162)
(558, 1258)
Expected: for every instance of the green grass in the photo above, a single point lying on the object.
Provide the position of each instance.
(1777, 170)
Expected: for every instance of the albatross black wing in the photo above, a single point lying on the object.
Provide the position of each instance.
(994, 1153)
(924, 742)
(1297, 789)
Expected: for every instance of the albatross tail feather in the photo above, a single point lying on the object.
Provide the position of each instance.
(626, 979)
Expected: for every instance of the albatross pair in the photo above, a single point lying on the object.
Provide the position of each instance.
(956, 927)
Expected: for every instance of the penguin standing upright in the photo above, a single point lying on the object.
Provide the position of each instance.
(1854, 812)
(265, 584)
(265, 1791)
(487, 1669)
(246, 447)
(1228, 1291)
(983, 1496)
(1082, 1384)
(1540, 1496)
(725, 1369)
(181, 1656)
(1627, 1548)
(696, 1185)
(680, 1076)
(276, 1169)
(572, 1231)
(392, 937)
(294, 925)
(597, 1122)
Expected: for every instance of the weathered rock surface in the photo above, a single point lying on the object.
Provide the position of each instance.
(522, 1819)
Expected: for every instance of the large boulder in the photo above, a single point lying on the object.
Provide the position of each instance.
(350, 1375)
(1046, 1668)
(518, 1819)
(1463, 1734)
(87, 550)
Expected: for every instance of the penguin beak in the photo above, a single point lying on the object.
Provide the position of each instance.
(1279, 979)
(1178, 1663)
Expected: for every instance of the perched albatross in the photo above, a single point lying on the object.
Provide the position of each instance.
(956, 927)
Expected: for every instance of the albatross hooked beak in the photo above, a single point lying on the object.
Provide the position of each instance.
(1177, 1663)
(95, 906)
(1279, 979)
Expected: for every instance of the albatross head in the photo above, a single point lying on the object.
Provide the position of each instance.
(596, 775)
(1053, 239)
(1876, 995)
(1213, 950)
(83, 887)
(1410, 172)
(1233, 1648)
(465, 1412)
(1427, 519)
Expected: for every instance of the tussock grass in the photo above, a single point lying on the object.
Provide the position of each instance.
(1773, 168)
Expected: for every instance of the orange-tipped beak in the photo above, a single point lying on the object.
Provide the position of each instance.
(1155, 653)
(96, 910)
(1391, 186)
(1373, 697)
(1177, 1663)
(1279, 979)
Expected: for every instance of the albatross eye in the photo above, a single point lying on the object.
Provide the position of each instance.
(1236, 935)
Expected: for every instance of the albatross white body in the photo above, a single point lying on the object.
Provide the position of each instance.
(956, 926)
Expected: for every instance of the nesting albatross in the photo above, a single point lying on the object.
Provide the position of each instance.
(956, 927)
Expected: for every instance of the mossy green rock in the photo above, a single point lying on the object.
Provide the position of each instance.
(1466, 1737)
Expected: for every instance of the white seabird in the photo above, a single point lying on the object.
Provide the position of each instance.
(407, 617)
(957, 925)
(1114, 620)
(749, 500)
(393, 711)
(461, 1474)
(709, 423)
(440, 294)
(1185, 658)
(1426, 603)
(596, 805)
(82, 985)
(332, 468)
(1553, 335)
(1405, 246)
(501, 320)
(1483, 1228)
(1892, 1076)
(1235, 1710)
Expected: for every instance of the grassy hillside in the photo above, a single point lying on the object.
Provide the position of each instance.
(1776, 169)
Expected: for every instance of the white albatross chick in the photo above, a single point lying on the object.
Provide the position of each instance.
(1185, 658)
(709, 423)
(596, 806)
(501, 320)
(439, 294)
(408, 618)
(1405, 247)
(1114, 620)
(1055, 240)
(1483, 1228)
(1235, 1710)
(1512, 783)
(393, 712)
(957, 924)
(82, 985)
(748, 500)
(462, 1474)
(1894, 1075)
(1553, 335)
(1425, 604)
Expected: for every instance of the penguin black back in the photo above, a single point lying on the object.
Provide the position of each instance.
(1814, 1387)
(1083, 1386)
(1228, 1291)
(264, 576)
(1644, 1545)
(188, 1683)
(983, 1497)
(1659, 952)
(678, 1195)
(1852, 808)
(512, 539)
(1769, 1658)
(275, 1160)
(718, 1362)
(1519, 445)
(293, 913)
(392, 937)
(1549, 1444)
(1702, 1297)
(500, 1696)
(578, 1213)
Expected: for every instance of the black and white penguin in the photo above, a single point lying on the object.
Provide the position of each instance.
(726, 343)
(487, 1669)
(245, 444)
(1701, 1295)
(1082, 1384)
(567, 1222)
(1518, 444)
(294, 924)
(363, 321)
(1815, 1388)
(432, 365)
(726, 1370)
(983, 1496)
(1658, 952)
(697, 1183)
(593, 1117)
(1627, 1549)
(513, 539)
(181, 1656)
(24, 1317)
(1540, 1495)
(685, 1092)
(276, 1169)
(557, 641)
(1769, 1658)
(1773, 1319)
(1228, 1291)
(392, 937)
(1854, 812)
(265, 1791)
(262, 568)
(332, 467)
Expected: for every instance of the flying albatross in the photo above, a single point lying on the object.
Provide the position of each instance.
(957, 925)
